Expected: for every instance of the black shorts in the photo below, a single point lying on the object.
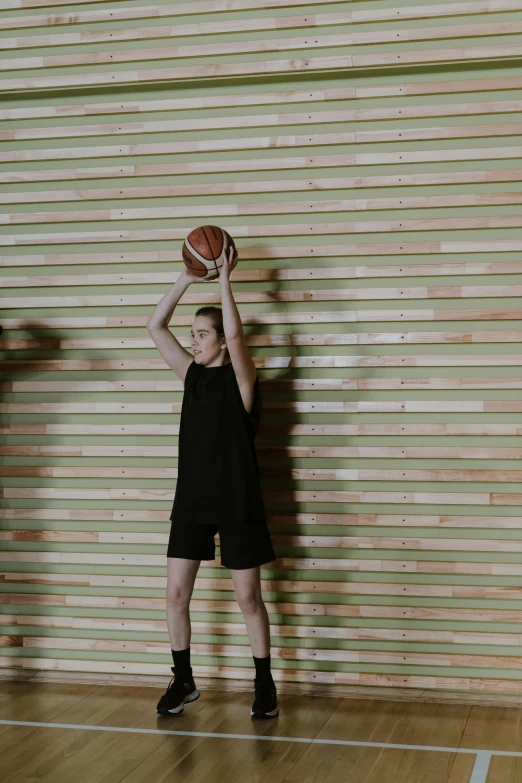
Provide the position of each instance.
(244, 545)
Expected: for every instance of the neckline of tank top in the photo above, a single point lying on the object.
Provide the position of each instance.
(217, 367)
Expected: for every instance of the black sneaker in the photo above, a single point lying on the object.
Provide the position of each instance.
(180, 691)
(266, 704)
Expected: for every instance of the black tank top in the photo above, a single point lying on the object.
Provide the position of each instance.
(218, 473)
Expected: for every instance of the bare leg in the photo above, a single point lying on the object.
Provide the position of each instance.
(181, 575)
(247, 584)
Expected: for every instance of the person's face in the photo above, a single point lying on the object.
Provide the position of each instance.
(205, 344)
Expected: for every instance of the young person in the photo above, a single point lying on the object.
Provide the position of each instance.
(218, 486)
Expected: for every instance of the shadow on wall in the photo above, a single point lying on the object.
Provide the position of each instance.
(40, 438)
(273, 441)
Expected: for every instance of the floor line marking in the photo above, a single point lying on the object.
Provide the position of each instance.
(480, 769)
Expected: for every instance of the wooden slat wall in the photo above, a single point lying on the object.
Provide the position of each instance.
(367, 158)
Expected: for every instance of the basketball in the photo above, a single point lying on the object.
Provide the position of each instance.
(205, 249)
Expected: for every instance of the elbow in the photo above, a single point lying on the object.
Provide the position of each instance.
(234, 337)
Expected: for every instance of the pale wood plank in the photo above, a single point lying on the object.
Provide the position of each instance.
(215, 27)
(395, 36)
(271, 142)
(312, 206)
(369, 227)
(377, 158)
(277, 318)
(372, 338)
(405, 497)
(400, 406)
(450, 360)
(122, 127)
(482, 430)
(437, 521)
(311, 21)
(350, 565)
(404, 657)
(293, 586)
(476, 687)
(317, 540)
(294, 474)
(208, 6)
(404, 293)
(129, 602)
(406, 89)
(263, 252)
(287, 451)
(263, 186)
(265, 68)
(358, 16)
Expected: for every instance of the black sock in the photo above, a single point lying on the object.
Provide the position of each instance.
(263, 668)
(181, 660)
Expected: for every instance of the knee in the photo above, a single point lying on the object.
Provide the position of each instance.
(177, 597)
(250, 602)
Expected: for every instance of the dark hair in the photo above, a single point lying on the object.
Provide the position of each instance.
(215, 314)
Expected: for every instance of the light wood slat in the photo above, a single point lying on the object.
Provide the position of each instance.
(381, 406)
(403, 338)
(367, 520)
(404, 497)
(359, 656)
(310, 207)
(129, 602)
(271, 142)
(288, 430)
(419, 683)
(330, 316)
(395, 36)
(450, 360)
(405, 293)
(469, 568)
(201, 29)
(499, 592)
(357, 16)
(255, 121)
(278, 452)
(254, 231)
(223, 628)
(267, 67)
(108, 670)
(264, 186)
(274, 253)
(335, 542)
(311, 21)
(113, 35)
(161, 191)
(210, 6)
(358, 159)
(348, 384)
(405, 90)
(252, 275)
(287, 472)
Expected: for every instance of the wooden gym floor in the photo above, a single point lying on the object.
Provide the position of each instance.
(112, 733)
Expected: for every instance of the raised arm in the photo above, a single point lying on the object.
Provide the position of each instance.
(177, 358)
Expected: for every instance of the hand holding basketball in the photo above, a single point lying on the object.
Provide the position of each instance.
(229, 264)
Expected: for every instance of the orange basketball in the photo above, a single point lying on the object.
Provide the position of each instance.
(205, 249)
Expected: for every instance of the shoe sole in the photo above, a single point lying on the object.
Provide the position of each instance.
(178, 710)
(271, 714)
